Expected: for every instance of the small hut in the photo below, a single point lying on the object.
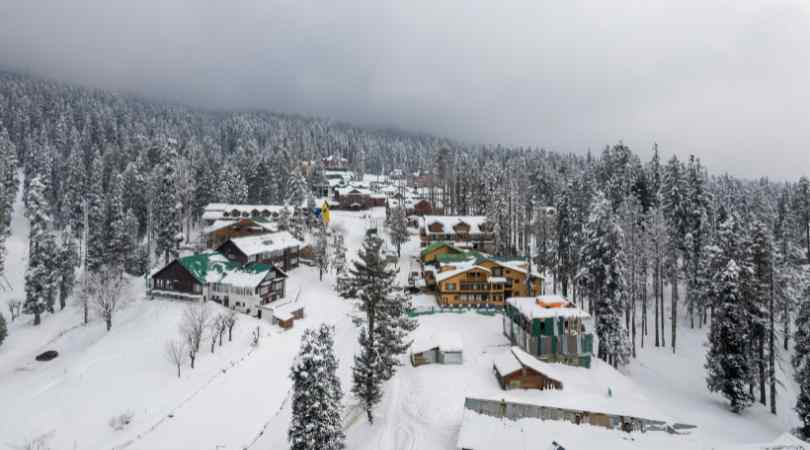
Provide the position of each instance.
(443, 348)
(285, 315)
(517, 369)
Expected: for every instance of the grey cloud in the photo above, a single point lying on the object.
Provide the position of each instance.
(726, 80)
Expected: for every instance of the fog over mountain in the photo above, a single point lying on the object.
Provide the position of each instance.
(727, 80)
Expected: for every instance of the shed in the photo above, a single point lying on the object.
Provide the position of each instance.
(517, 369)
(443, 348)
(285, 315)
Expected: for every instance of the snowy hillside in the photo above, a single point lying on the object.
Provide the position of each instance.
(238, 397)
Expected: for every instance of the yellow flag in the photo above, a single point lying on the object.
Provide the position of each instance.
(325, 213)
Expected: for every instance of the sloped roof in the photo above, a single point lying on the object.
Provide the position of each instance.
(506, 363)
(451, 273)
(198, 265)
(448, 222)
(528, 307)
(254, 245)
(435, 245)
(444, 341)
(214, 267)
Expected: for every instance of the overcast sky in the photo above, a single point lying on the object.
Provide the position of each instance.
(726, 80)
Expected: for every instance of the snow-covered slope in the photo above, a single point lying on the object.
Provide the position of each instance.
(238, 397)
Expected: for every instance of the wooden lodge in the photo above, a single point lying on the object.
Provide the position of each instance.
(212, 276)
(280, 249)
(469, 232)
(357, 198)
(230, 211)
(484, 282)
(550, 328)
(517, 369)
(221, 230)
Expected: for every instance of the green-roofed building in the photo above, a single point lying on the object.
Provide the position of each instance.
(429, 254)
(211, 276)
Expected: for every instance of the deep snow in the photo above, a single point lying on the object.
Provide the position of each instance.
(238, 397)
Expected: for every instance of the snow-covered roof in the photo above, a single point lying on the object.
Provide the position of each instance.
(284, 312)
(520, 266)
(228, 207)
(451, 273)
(221, 223)
(506, 363)
(266, 243)
(496, 280)
(551, 370)
(482, 432)
(448, 222)
(529, 307)
(444, 341)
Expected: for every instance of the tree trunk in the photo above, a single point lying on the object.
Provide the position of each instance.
(230, 333)
(108, 319)
(655, 299)
(191, 358)
(761, 364)
(178, 371)
(772, 348)
(661, 294)
(674, 312)
(37, 318)
(86, 312)
(786, 326)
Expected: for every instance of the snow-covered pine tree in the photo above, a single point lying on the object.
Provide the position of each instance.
(67, 259)
(387, 324)
(96, 244)
(727, 360)
(316, 408)
(758, 303)
(603, 261)
(802, 211)
(132, 263)
(116, 233)
(166, 216)
(366, 374)
(233, 188)
(8, 178)
(673, 195)
(399, 228)
(74, 192)
(39, 277)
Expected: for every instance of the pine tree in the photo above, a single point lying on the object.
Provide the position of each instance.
(132, 261)
(366, 374)
(67, 268)
(673, 194)
(74, 192)
(233, 188)
(399, 228)
(166, 220)
(39, 277)
(727, 362)
(316, 400)
(802, 207)
(387, 324)
(604, 260)
(117, 236)
(758, 310)
(96, 244)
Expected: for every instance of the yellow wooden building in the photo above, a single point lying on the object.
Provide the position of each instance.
(485, 283)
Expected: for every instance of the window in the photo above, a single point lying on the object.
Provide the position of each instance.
(451, 286)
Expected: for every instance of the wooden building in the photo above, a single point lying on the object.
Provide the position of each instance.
(470, 286)
(232, 211)
(468, 232)
(517, 369)
(357, 198)
(221, 230)
(211, 276)
(422, 207)
(284, 315)
(280, 249)
(550, 328)
(430, 253)
(514, 273)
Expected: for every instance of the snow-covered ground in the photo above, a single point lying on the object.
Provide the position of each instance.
(238, 397)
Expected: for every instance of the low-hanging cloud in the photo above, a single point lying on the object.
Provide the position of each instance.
(726, 80)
